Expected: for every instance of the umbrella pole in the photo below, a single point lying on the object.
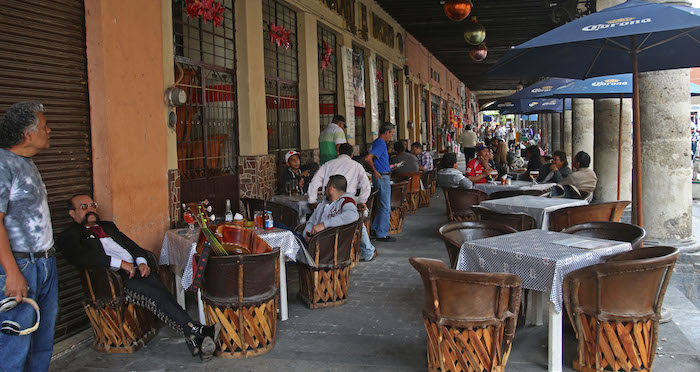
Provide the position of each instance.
(637, 197)
(619, 152)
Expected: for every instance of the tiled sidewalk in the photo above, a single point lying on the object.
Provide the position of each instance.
(379, 329)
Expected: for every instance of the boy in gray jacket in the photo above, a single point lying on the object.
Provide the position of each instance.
(336, 209)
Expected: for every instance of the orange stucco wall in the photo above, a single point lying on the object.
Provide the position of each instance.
(419, 61)
(695, 75)
(125, 79)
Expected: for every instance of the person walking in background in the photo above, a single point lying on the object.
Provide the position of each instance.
(378, 161)
(468, 141)
(26, 240)
(331, 138)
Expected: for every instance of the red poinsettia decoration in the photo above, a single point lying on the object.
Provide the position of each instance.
(380, 77)
(327, 53)
(280, 36)
(208, 10)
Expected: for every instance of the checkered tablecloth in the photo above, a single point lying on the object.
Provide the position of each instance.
(538, 257)
(514, 185)
(178, 248)
(298, 202)
(536, 206)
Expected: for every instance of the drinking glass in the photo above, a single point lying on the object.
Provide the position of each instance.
(189, 219)
(492, 175)
(258, 219)
(534, 175)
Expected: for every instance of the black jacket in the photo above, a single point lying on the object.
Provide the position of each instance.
(82, 248)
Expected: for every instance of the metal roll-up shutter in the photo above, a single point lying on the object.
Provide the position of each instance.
(42, 59)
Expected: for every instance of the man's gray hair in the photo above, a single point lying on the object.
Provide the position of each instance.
(386, 127)
(19, 119)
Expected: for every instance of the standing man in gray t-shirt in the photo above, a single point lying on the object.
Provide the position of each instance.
(27, 262)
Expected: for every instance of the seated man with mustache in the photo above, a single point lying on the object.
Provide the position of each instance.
(91, 242)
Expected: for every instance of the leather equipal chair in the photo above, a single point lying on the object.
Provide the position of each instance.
(518, 221)
(460, 203)
(565, 217)
(454, 234)
(619, 231)
(427, 192)
(280, 212)
(398, 207)
(371, 201)
(117, 326)
(510, 193)
(469, 317)
(615, 309)
(242, 292)
(326, 284)
(413, 189)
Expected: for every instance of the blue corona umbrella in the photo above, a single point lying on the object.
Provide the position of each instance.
(542, 87)
(611, 86)
(631, 37)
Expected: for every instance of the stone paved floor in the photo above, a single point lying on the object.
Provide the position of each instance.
(380, 328)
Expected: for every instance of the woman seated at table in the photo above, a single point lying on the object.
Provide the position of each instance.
(555, 171)
(534, 160)
(295, 173)
(500, 158)
(449, 176)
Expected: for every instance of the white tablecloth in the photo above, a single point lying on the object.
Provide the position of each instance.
(538, 257)
(535, 206)
(178, 248)
(514, 185)
(297, 202)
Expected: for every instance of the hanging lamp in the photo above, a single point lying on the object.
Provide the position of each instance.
(457, 10)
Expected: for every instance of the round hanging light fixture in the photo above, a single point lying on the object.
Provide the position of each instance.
(475, 33)
(478, 53)
(457, 10)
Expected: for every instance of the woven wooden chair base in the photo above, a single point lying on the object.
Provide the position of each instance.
(464, 350)
(320, 288)
(245, 331)
(625, 346)
(412, 200)
(424, 198)
(396, 218)
(120, 328)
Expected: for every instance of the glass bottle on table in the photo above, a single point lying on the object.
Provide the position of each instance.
(229, 213)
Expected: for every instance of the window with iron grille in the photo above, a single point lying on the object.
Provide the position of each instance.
(346, 8)
(281, 80)
(328, 76)
(207, 125)
(380, 91)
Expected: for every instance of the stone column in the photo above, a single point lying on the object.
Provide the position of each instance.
(548, 128)
(582, 126)
(607, 127)
(556, 132)
(566, 135)
(664, 100)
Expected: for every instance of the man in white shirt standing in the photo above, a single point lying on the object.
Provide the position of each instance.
(468, 142)
(356, 178)
(91, 242)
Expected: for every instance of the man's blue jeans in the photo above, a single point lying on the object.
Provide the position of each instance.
(380, 225)
(366, 247)
(33, 351)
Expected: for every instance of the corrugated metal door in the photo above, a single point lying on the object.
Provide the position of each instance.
(42, 59)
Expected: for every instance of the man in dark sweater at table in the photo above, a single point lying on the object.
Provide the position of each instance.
(89, 242)
(405, 161)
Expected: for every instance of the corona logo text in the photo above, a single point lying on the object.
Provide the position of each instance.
(620, 22)
(543, 89)
(608, 82)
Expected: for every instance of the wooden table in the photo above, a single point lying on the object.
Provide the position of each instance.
(541, 259)
(537, 207)
(180, 245)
